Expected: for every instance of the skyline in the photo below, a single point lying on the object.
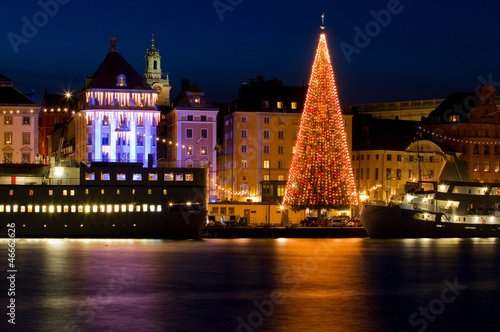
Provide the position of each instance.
(381, 50)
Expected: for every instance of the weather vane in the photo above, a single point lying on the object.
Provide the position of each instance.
(323, 21)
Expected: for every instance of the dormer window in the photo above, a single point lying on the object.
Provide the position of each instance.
(196, 100)
(121, 80)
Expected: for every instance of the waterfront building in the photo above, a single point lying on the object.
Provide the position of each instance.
(18, 124)
(470, 124)
(191, 132)
(118, 117)
(57, 110)
(259, 139)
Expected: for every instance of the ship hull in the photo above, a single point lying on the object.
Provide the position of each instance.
(394, 222)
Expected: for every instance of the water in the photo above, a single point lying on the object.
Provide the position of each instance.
(256, 285)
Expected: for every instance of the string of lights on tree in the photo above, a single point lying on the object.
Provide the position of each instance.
(321, 171)
(461, 140)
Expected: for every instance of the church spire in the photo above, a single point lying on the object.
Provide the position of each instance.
(113, 47)
(153, 42)
(153, 74)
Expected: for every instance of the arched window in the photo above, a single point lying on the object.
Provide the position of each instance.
(155, 64)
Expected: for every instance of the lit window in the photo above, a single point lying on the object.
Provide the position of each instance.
(105, 176)
(137, 177)
(144, 208)
(244, 119)
(44, 208)
(72, 193)
(279, 104)
(102, 191)
(179, 177)
(59, 209)
(51, 192)
(168, 177)
(95, 208)
(152, 208)
(244, 163)
(66, 209)
(31, 192)
(137, 208)
(2, 208)
(102, 208)
(51, 209)
(294, 105)
(117, 208)
(37, 208)
(124, 208)
(80, 208)
(150, 191)
(65, 192)
(164, 191)
(7, 208)
(89, 176)
(189, 150)
(130, 208)
(267, 163)
(153, 176)
(189, 177)
(204, 150)
(23, 208)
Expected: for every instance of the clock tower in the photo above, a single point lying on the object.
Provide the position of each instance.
(153, 75)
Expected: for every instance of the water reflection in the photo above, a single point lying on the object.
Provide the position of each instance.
(251, 285)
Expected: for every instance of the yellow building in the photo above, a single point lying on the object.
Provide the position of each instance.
(258, 149)
(382, 174)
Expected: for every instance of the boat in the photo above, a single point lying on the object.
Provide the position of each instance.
(102, 200)
(451, 207)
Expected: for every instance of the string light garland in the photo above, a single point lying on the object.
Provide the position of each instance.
(321, 171)
(461, 140)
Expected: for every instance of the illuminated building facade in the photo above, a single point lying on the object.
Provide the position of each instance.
(18, 124)
(192, 132)
(469, 123)
(118, 116)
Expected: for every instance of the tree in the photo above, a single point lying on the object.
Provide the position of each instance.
(321, 172)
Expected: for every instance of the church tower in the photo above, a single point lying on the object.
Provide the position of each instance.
(153, 75)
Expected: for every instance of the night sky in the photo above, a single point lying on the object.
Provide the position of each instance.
(429, 49)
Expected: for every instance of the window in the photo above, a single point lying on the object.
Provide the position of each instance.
(280, 190)
(376, 157)
(204, 150)
(398, 157)
(189, 177)
(189, 133)
(281, 134)
(464, 148)
(453, 117)
(476, 166)
(105, 120)
(190, 118)
(357, 174)
(486, 133)
(179, 177)
(265, 104)
(388, 173)
(244, 148)
(267, 149)
(486, 149)
(476, 132)
(105, 156)
(376, 173)
(279, 104)
(89, 139)
(26, 120)
(105, 176)
(293, 105)
(267, 134)
(431, 159)
(486, 166)
(389, 157)
(368, 174)
(244, 119)
(265, 177)
(496, 149)
(89, 157)
(476, 149)
(398, 174)
(281, 149)
(411, 159)
(497, 167)
(189, 150)
(140, 121)
(121, 176)
(140, 157)
(281, 164)
(367, 157)
(168, 177)
(410, 174)
(294, 134)
(204, 133)
(244, 133)
(203, 118)
(7, 138)
(26, 157)
(267, 163)
(140, 139)
(281, 177)
(153, 176)
(361, 173)
(244, 163)
(266, 119)
(89, 176)
(7, 120)
(137, 177)
(105, 139)
(362, 157)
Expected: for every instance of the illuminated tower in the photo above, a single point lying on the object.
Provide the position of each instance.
(153, 75)
(321, 173)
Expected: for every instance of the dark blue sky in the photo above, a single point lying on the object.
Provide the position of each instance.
(429, 49)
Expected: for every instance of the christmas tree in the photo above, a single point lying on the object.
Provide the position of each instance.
(321, 172)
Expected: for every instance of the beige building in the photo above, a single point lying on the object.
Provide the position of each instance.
(258, 149)
(382, 174)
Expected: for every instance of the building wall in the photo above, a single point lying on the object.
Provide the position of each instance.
(19, 133)
(258, 151)
(382, 174)
(48, 119)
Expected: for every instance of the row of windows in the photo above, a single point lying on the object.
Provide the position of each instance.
(360, 174)
(9, 120)
(486, 149)
(267, 149)
(71, 192)
(8, 157)
(266, 133)
(477, 132)
(486, 166)
(399, 157)
(121, 139)
(105, 176)
(120, 157)
(7, 138)
(202, 117)
(203, 133)
(203, 150)
(266, 164)
(108, 208)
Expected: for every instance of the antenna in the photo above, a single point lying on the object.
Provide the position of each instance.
(322, 21)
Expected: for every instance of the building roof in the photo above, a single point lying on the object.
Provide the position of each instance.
(51, 100)
(113, 65)
(187, 98)
(460, 103)
(9, 95)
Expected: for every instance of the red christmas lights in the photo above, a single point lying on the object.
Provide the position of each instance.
(321, 172)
